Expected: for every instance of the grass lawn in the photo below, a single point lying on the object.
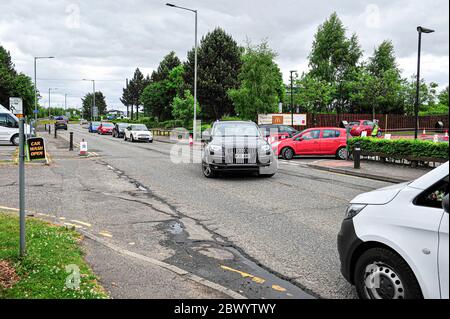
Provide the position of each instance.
(42, 273)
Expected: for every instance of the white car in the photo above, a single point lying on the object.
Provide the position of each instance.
(137, 132)
(9, 127)
(393, 242)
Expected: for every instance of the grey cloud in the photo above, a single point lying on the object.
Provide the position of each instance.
(109, 39)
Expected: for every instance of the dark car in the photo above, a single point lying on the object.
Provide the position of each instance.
(61, 122)
(237, 146)
(119, 129)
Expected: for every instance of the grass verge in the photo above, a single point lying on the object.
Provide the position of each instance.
(42, 273)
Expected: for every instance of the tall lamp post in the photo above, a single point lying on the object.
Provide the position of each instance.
(93, 98)
(49, 99)
(35, 85)
(195, 68)
(420, 30)
(292, 97)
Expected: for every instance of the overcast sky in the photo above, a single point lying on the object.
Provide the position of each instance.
(106, 40)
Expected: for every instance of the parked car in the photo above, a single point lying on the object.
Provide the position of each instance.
(314, 141)
(9, 127)
(119, 129)
(93, 127)
(105, 128)
(137, 132)
(83, 122)
(357, 127)
(393, 242)
(61, 122)
(274, 132)
(237, 146)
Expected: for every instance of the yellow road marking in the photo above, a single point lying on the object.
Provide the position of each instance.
(105, 234)
(244, 274)
(81, 223)
(9, 208)
(278, 288)
(62, 218)
(72, 225)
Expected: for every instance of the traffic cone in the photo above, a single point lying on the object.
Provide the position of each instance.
(191, 140)
(424, 134)
(83, 148)
(446, 135)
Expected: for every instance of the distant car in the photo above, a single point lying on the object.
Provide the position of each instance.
(314, 141)
(93, 126)
(393, 242)
(119, 129)
(105, 128)
(137, 132)
(83, 122)
(61, 122)
(274, 132)
(357, 127)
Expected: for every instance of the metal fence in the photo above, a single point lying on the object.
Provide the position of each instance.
(386, 121)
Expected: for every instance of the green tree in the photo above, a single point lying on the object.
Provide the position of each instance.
(135, 89)
(443, 97)
(313, 95)
(183, 108)
(13, 84)
(334, 59)
(87, 102)
(219, 62)
(383, 60)
(157, 96)
(260, 80)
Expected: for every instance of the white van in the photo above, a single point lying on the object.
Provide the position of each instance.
(9, 126)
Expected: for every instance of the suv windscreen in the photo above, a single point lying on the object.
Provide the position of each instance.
(236, 129)
(139, 128)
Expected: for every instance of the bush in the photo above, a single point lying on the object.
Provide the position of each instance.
(402, 147)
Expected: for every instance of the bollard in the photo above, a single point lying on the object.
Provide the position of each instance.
(357, 155)
(49, 129)
(71, 142)
(55, 131)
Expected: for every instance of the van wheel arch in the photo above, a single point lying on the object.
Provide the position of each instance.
(13, 138)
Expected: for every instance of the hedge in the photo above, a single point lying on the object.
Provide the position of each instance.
(405, 148)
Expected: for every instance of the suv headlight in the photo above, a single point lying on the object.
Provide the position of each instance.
(265, 148)
(215, 148)
(353, 210)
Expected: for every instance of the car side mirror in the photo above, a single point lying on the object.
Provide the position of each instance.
(445, 203)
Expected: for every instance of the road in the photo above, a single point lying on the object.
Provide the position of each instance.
(261, 237)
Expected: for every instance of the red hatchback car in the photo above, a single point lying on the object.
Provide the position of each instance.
(105, 128)
(357, 127)
(314, 141)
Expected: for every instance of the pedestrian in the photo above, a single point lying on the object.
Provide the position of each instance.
(375, 129)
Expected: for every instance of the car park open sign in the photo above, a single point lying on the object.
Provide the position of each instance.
(36, 149)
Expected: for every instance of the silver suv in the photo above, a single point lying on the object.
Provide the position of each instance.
(237, 146)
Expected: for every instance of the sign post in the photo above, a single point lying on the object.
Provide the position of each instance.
(16, 107)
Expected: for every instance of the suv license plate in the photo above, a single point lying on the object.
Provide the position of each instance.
(242, 156)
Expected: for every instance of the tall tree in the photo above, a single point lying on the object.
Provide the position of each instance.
(334, 59)
(219, 62)
(158, 95)
(260, 80)
(383, 59)
(136, 87)
(443, 97)
(13, 84)
(314, 95)
(100, 104)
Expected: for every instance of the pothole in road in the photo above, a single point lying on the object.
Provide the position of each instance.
(205, 253)
(225, 265)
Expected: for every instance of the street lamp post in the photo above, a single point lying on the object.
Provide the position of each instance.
(49, 99)
(292, 97)
(35, 85)
(420, 30)
(93, 98)
(195, 68)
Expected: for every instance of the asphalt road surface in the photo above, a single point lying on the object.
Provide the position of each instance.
(279, 233)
